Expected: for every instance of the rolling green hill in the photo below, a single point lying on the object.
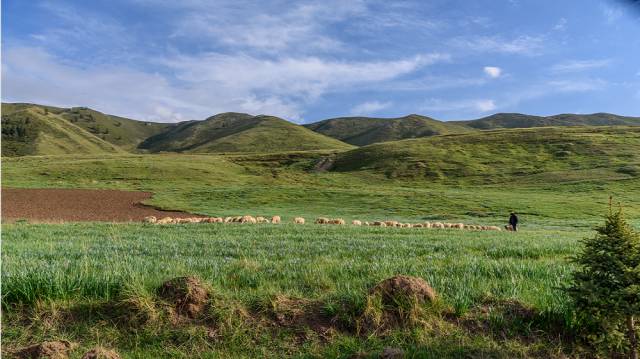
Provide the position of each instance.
(518, 120)
(120, 131)
(237, 132)
(33, 130)
(543, 155)
(362, 131)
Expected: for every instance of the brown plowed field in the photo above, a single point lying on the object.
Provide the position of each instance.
(75, 205)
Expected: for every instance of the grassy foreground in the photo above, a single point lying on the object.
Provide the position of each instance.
(58, 280)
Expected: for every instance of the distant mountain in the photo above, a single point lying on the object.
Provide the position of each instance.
(361, 131)
(238, 132)
(518, 120)
(39, 130)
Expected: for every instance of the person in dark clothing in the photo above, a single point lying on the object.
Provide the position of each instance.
(513, 221)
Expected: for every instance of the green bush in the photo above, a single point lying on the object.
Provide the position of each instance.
(606, 287)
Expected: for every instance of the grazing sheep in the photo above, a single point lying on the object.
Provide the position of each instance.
(356, 222)
(418, 225)
(165, 220)
(509, 228)
(275, 219)
(447, 225)
(339, 221)
(150, 219)
(493, 228)
(437, 225)
(261, 220)
(391, 223)
(367, 223)
(405, 225)
(322, 220)
(379, 224)
(228, 220)
(458, 226)
(247, 219)
(427, 224)
(298, 220)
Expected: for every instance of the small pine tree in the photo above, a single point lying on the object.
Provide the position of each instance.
(606, 285)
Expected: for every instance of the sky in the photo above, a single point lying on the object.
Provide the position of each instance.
(305, 61)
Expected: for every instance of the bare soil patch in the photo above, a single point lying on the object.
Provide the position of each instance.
(100, 353)
(58, 349)
(79, 205)
(187, 294)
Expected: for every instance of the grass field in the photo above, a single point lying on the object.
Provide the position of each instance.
(500, 293)
(53, 270)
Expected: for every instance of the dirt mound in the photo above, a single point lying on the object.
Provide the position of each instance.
(58, 349)
(392, 353)
(100, 353)
(77, 205)
(302, 314)
(403, 288)
(187, 294)
(397, 302)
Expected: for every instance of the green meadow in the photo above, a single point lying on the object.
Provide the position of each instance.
(302, 291)
(63, 277)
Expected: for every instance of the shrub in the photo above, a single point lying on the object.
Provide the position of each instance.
(606, 286)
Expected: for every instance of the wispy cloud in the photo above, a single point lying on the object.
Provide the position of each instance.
(577, 85)
(465, 106)
(522, 45)
(492, 71)
(367, 108)
(611, 13)
(263, 28)
(200, 85)
(561, 25)
(580, 65)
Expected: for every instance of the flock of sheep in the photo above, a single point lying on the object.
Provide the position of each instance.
(321, 220)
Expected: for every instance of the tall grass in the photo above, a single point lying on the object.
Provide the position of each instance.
(95, 261)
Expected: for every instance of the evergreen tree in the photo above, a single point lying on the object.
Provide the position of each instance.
(606, 286)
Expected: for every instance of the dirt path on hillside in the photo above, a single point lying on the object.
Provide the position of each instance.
(78, 205)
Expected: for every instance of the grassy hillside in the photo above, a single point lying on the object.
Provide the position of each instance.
(236, 132)
(32, 130)
(361, 131)
(518, 120)
(543, 155)
(123, 132)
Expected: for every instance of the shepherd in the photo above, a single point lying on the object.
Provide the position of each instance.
(513, 221)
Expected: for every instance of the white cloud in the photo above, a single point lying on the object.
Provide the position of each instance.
(522, 45)
(580, 65)
(612, 14)
(265, 28)
(492, 71)
(561, 25)
(465, 106)
(199, 86)
(367, 108)
(577, 85)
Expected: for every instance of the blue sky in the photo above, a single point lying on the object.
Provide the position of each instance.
(310, 60)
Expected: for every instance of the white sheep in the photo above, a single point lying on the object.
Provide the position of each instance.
(298, 220)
